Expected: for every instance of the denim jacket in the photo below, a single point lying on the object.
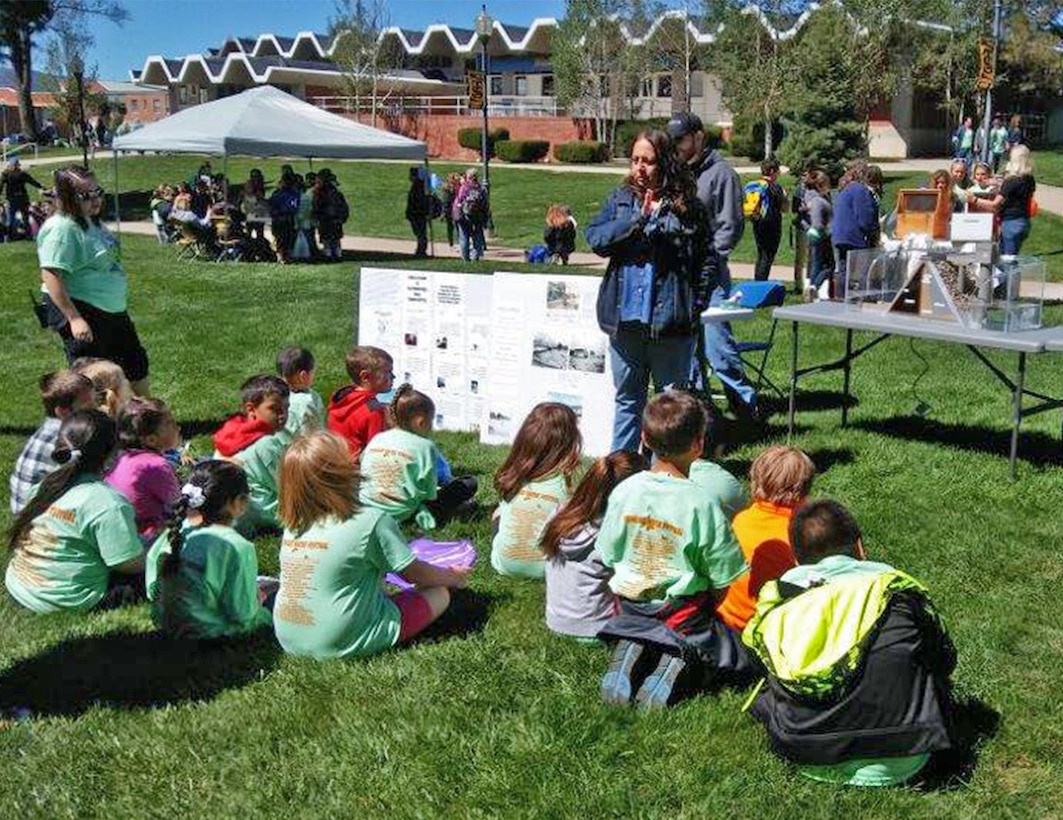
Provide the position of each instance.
(675, 244)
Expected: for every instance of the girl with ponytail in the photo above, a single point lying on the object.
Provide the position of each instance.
(578, 598)
(74, 545)
(201, 573)
(401, 466)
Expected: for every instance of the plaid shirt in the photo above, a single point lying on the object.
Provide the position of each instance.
(34, 463)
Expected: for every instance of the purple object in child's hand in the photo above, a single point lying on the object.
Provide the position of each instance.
(443, 554)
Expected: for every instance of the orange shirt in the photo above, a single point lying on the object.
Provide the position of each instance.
(763, 533)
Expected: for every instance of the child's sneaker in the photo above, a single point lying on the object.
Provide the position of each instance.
(617, 683)
(810, 293)
(659, 685)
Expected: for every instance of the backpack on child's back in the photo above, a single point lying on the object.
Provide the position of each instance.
(756, 200)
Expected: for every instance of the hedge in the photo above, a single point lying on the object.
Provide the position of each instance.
(581, 153)
(472, 138)
(522, 150)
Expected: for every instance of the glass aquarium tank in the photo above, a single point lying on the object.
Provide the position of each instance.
(1018, 294)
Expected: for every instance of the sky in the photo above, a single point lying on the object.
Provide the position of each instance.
(176, 28)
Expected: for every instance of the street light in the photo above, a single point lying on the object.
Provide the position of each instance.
(484, 26)
(77, 68)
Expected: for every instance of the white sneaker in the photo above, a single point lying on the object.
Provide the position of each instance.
(810, 293)
(824, 289)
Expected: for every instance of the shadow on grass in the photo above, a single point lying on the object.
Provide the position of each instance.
(807, 401)
(975, 722)
(467, 615)
(133, 670)
(1035, 448)
(191, 428)
(15, 430)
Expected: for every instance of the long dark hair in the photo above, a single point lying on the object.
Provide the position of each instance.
(139, 419)
(674, 181)
(67, 195)
(548, 441)
(589, 499)
(86, 440)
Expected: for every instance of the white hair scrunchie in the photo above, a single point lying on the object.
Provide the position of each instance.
(194, 495)
(74, 456)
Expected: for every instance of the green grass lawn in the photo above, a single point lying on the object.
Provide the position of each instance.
(493, 716)
(1048, 166)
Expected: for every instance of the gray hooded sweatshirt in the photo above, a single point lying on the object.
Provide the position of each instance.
(578, 599)
(720, 191)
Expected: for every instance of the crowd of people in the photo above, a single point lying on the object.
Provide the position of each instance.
(304, 212)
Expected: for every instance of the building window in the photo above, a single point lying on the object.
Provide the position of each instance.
(522, 86)
(664, 86)
(496, 85)
(156, 105)
(203, 97)
(182, 94)
(134, 105)
(548, 85)
(647, 87)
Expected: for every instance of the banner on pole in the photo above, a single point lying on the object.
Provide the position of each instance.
(985, 65)
(476, 84)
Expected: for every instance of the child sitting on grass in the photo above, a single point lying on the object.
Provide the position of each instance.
(146, 430)
(75, 546)
(201, 574)
(334, 556)
(673, 555)
(399, 466)
(306, 410)
(354, 411)
(533, 481)
(255, 439)
(858, 661)
(559, 235)
(112, 387)
(781, 478)
(62, 393)
(578, 599)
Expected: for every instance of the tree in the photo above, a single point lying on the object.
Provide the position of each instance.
(361, 51)
(21, 21)
(1029, 63)
(66, 53)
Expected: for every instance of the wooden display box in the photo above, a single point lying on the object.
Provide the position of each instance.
(923, 211)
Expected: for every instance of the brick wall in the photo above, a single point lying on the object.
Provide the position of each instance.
(141, 107)
(440, 131)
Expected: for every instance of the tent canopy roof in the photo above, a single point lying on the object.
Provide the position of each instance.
(267, 122)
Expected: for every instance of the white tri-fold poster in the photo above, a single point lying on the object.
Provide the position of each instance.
(487, 349)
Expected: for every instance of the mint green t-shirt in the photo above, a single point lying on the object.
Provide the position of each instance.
(998, 140)
(306, 412)
(399, 475)
(64, 562)
(331, 601)
(89, 262)
(261, 462)
(515, 550)
(214, 592)
(872, 771)
(666, 539)
(720, 486)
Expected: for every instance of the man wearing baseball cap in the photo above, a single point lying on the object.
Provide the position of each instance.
(720, 191)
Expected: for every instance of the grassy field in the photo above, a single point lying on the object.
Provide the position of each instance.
(1048, 166)
(491, 715)
(377, 196)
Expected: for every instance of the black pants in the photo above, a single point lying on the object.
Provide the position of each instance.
(451, 496)
(420, 230)
(768, 234)
(114, 337)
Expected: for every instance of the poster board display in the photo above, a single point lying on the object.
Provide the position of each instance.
(546, 346)
(436, 325)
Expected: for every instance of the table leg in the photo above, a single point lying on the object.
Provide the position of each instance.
(793, 381)
(1017, 420)
(845, 376)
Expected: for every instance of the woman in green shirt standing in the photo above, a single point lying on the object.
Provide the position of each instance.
(84, 284)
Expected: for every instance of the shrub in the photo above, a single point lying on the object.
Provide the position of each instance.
(472, 138)
(747, 138)
(581, 153)
(522, 150)
(826, 146)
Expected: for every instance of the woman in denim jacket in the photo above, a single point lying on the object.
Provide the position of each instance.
(653, 231)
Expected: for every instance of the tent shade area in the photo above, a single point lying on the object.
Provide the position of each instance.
(267, 122)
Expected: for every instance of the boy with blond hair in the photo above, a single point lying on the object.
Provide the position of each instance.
(354, 411)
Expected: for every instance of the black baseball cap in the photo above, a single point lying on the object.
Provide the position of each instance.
(682, 124)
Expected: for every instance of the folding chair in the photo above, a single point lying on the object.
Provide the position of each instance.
(757, 295)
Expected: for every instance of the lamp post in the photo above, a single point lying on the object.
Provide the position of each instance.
(987, 120)
(484, 26)
(77, 68)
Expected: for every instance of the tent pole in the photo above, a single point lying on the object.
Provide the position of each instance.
(117, 212)
(310, 162)
(427, 184)
(225, 178)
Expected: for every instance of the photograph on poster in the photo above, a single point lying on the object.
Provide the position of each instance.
(549, 352)
(499, 424)
(586, 353)
(441, 382)
(440, 420)
(562, 296)
(410, 339)
(474, 386)
(570, 399)
(441, 343)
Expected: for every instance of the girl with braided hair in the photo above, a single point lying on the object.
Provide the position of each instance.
(201, 573)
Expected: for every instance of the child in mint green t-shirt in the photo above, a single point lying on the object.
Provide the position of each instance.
(400, 466)
(673, 556)
(74, 546)
(201, 574)
(306, 409)
(533, 482)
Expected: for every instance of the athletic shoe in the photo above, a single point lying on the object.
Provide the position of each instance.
(659, 685)
(617, 683)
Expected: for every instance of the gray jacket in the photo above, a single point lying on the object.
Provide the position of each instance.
(720, 191)
(820, 211)
(578, 599)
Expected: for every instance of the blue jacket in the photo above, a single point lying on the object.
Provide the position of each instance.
(677, 246)
(855, 222)
(283, 202)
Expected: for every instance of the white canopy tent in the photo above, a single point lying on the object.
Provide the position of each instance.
(265, 122)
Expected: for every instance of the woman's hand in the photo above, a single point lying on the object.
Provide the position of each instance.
(649, 203)
(80, 329)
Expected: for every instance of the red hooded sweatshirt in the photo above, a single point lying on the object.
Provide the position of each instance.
(239, 433)
(356, 415)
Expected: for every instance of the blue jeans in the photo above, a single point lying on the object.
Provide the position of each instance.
(633, 357)
(821, 257)
(721, 351)
(1013, 233)
(471, 241)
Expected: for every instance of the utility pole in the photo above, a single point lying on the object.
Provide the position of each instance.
(998, 14)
